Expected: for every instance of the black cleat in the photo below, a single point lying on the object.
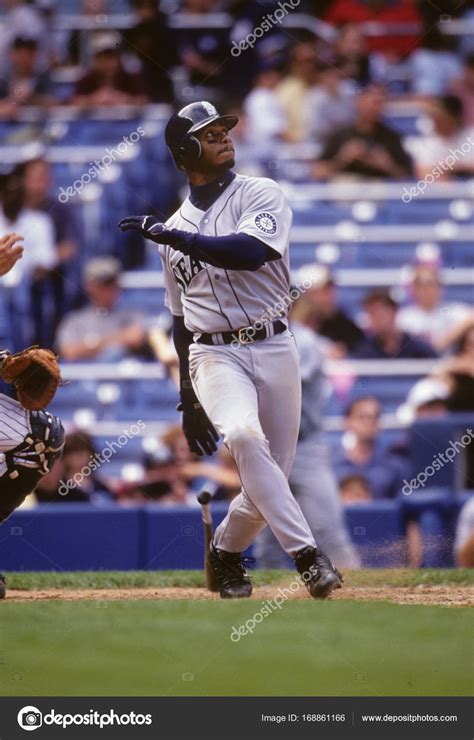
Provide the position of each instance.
(3, 590)
(230, 574)
(318, 573)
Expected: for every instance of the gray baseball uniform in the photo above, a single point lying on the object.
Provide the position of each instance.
(252, 392)
(312, 479)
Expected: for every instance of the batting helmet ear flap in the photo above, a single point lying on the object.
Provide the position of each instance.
(190, 151)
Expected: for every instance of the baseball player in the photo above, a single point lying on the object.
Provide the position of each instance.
(30, 441)
(225, 261)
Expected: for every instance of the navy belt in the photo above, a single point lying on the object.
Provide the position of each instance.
(245, 335)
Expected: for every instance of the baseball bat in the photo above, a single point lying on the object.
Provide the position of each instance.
(204, 499)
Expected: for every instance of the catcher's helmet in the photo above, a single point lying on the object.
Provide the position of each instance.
(184, 147)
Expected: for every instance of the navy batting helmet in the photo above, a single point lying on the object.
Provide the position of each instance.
(184, 147)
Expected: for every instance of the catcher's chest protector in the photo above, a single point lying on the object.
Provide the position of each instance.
(29, 461)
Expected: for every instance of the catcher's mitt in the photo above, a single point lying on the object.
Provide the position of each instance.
(35, 374)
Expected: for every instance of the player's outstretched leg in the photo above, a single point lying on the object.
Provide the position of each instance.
(318, 573)
(3, 590)
(231, 576)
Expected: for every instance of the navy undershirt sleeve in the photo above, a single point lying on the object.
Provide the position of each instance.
(232, 252)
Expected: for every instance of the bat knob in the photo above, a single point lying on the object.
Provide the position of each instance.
(204, 497)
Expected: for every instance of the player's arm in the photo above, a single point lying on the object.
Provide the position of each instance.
(198, 430)
(11, 250)
(239, 251)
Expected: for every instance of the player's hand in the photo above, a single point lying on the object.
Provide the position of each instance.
(198, 430)
(10, 252)
(148, 226)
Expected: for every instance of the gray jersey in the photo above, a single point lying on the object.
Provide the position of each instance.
(213, 299)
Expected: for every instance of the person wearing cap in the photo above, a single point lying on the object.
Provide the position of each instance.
(384, 340)
(102, 330)
(23, 85)
(106, 82)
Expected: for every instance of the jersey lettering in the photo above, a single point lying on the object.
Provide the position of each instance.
(185, 270)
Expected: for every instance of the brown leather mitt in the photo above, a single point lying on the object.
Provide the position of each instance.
(35, 374)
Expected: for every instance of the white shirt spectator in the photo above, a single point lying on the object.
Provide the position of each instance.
(266, 118)
(432, 325)
(38, 232)
(429, 151)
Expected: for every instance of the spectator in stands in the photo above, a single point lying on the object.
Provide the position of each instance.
(354, 489)
(22, 17)
(75, 478)
(102, 330)
(449, 151)
(458, 371)
(162, 481)
(150, 44)
(368, 148)
(463, 87)
(319, 308)
(202, 51)
(330, 104)
(362, 453)
(266, 120)
(37, 229)
(428, 317)
(437, 51)
(464, 541)
(351, 49)
(427, 399)
(384, 340)
(37, 185)
(385, 12)
(296, 83)
(23, 84)
(220, 476)
(106, 82)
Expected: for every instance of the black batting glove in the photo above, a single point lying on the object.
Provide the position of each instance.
(150, 228)
(198, 430)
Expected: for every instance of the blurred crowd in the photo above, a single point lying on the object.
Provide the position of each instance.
(327, 84)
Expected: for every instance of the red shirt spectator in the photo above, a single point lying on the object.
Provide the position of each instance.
(388, 12)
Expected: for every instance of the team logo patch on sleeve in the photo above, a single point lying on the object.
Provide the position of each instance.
(266, 223)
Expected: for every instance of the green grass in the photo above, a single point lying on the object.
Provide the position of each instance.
(183, 647)
(159, 579)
